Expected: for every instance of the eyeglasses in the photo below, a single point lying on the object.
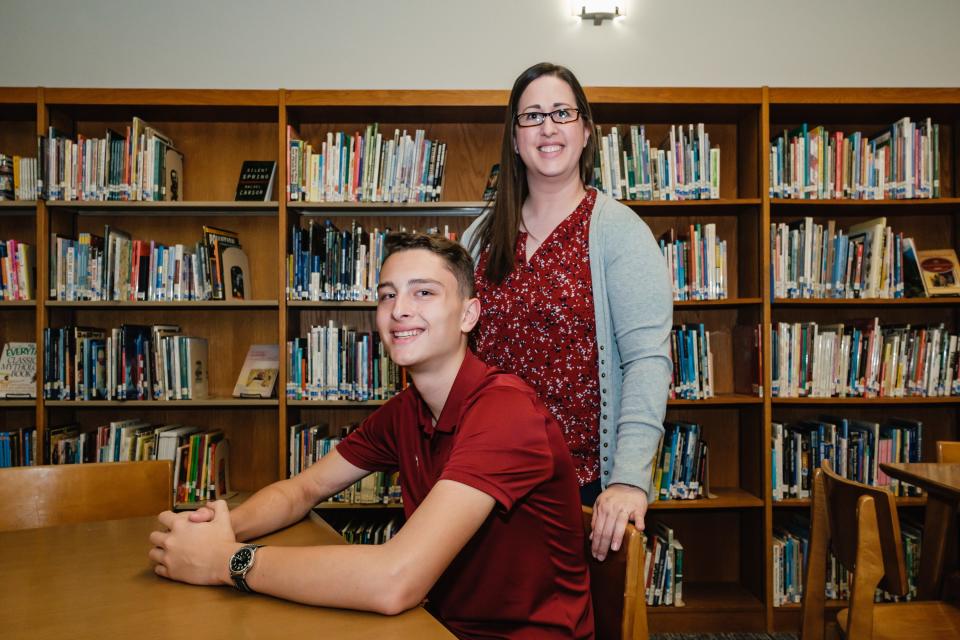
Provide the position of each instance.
(537, 118)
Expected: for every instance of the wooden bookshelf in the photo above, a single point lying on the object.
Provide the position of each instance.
(728, 576)
(932, 223)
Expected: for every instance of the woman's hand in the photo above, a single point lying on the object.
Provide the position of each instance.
(617, 505)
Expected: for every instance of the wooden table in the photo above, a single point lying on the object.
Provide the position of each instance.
(942, 485)
(94, 580)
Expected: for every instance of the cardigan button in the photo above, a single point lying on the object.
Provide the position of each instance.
(603, 375)
(601, 347)
(604, 458)
(606, 444)
(604, 430)
(604, 403)
(606, 473)
(603, 390)
(604, 416)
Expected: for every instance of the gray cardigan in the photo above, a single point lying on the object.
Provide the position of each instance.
(633, 304)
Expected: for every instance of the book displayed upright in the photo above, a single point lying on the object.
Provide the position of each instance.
(18, 370)
(258, 377)
(256, 180)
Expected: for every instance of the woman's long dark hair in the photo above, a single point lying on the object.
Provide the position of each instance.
(499, 231)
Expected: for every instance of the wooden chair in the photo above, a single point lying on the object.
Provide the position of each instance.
(617, 587)
(863, 528)
(45, 496)
(948, 451)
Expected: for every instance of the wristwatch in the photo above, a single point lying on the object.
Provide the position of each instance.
(240, 564)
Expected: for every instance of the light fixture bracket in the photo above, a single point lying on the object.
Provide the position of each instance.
(599, 16)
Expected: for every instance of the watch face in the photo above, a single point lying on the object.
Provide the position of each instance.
(241, 559)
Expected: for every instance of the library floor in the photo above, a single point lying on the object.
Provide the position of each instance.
(723, 636)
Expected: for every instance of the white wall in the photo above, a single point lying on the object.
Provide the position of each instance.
(475, 44)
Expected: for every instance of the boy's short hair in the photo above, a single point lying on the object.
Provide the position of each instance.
(457, 258)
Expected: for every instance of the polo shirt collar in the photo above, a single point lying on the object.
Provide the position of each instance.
(469, 377)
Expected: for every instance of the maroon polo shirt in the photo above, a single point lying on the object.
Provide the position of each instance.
(524, 573)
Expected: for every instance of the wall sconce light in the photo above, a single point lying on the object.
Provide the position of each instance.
(599, 16)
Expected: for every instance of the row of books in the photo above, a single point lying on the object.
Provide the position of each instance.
(17, 270)
(680, 471)
(864, 359)
(697, 263)
(309, 443)
(684, 167)
(869, 260)
(328, 263)
(132, 362)
(341, 363)
(813, 163)
(116, 267)
(790, 549)
(663, 563)
(367, 167)
(139, 164)
(692, 363)
(17, 447)
(201, 458)
(370, 530)
(854, 448)
(18, 178)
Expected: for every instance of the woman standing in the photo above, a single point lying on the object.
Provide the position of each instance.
(575, 298)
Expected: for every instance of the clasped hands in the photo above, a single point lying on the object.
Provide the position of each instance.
(195, 547)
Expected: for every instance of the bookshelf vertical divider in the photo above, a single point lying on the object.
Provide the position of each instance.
(766, 374)
(731, 584)
(282, 319)
(41, 281)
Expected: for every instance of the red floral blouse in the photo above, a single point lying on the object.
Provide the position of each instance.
(539, 324)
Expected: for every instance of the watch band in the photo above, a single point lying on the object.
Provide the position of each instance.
(239, 577)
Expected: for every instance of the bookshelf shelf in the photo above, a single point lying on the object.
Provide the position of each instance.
(347, 506)
(359, 305)
(18, 404)
(152, 304)
(340, 209)
(920, 203)
(334, 404)
(868, 302)
(726, 303)
(712, 597)
(726, 498)
(197, 208)
(212, 403)
(902, 501)
(18, 304)
(946, 400)
(723, 400)
(723, 208)
(900, 209)
(14, 207)
(793, 608)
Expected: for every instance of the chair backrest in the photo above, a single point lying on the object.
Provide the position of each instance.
(948, 451)
(616, 587)
(50, 495)
(863, 529)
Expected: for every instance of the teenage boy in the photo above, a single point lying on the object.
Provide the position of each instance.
(494, 534)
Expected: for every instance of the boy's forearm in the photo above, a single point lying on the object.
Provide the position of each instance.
(273, 507)
(345, 576)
